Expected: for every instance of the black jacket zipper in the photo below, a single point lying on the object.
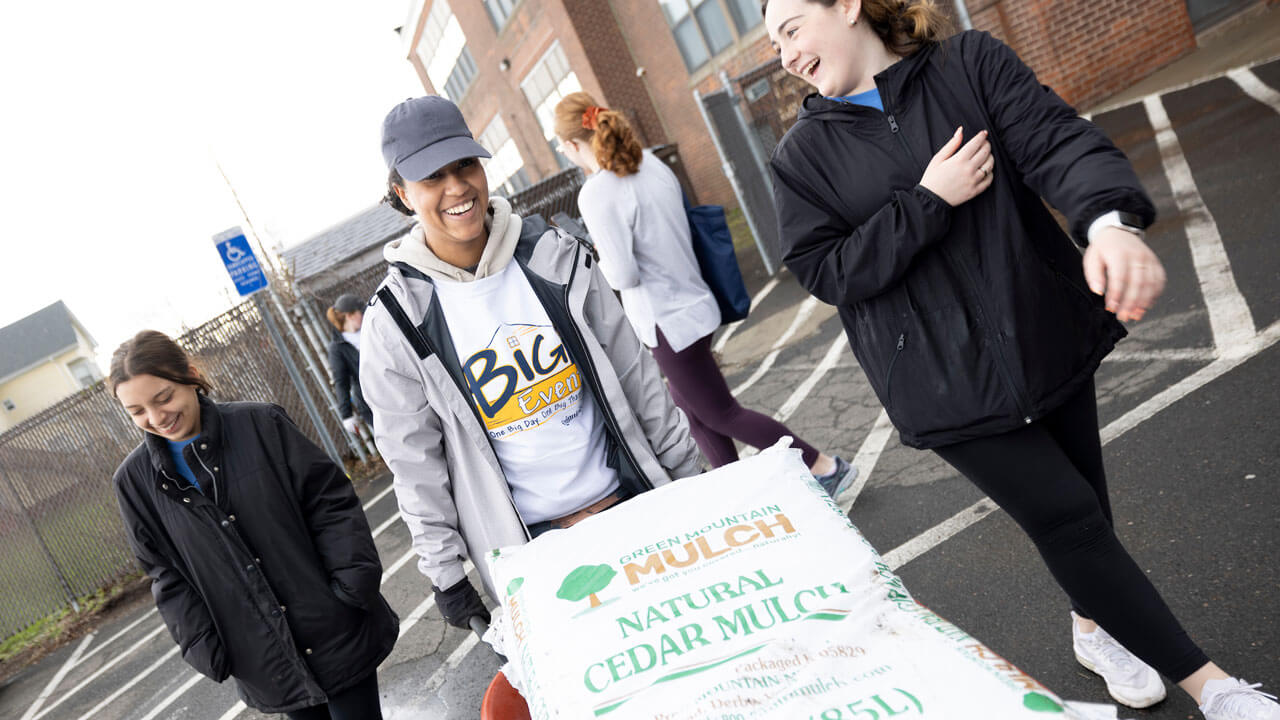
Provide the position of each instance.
(1002, 359)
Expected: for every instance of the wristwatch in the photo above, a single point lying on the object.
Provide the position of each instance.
(1126, 221)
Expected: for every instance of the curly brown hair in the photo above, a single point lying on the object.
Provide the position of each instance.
(904, 26)
(613, 141)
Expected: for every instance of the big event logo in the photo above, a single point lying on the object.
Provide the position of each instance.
(655, 638)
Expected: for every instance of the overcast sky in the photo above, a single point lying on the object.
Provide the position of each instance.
(116, 113)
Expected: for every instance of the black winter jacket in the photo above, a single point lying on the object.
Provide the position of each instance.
(344, 361)
(973, 320)
(272, 576)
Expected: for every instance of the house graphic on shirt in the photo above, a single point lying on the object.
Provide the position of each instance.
(522, 378)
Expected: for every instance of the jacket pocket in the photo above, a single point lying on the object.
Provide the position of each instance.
(941, 375)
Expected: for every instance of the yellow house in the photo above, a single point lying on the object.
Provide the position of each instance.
(44, 357)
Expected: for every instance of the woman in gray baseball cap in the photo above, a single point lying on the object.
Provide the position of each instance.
(510, 394)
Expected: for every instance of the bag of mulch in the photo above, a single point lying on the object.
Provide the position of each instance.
(741, 593)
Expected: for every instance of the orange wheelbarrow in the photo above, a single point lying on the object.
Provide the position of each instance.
(501, 701)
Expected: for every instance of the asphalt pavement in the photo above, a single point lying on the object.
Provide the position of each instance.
(1192, 442)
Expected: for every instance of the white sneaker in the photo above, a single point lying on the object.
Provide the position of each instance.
(1233, 699)
(1130, 681)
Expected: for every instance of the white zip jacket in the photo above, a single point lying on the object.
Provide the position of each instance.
(451, 489)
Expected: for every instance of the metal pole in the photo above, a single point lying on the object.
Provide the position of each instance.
(733, 181)
(296, 377)
(962, 14)
(316, 374)
(57, 570)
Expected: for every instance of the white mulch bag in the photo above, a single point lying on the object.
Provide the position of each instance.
(741, 593)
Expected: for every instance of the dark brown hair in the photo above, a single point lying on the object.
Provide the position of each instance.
(904, 26)
(613, 141)
(154, 353)
(391, 198)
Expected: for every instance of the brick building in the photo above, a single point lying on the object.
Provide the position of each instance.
(507, 62)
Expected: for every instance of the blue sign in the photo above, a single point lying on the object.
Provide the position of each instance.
(242, 265)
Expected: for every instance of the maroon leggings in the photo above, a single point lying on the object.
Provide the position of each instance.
(715, 417)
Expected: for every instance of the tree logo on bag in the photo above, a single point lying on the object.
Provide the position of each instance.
(1040, 703)
(584, 582)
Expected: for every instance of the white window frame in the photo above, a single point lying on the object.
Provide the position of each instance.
(729, 10)
(505, 168)
(440, 49)
(544, 108)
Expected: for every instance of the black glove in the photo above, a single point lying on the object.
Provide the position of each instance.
(460, 603)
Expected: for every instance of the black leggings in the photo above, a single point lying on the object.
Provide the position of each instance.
(358, 702)
(1048, 477)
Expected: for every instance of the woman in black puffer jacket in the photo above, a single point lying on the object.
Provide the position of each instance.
(973, 316)
(260, 555)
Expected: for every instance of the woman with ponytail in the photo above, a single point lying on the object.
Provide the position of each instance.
(909, 195)
(633, 207)
(347, 317)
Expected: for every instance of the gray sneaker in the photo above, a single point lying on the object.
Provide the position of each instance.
(838, 480)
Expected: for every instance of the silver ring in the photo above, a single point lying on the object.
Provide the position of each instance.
(985, 172)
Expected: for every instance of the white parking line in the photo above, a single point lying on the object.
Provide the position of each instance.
(110, 664)
(1229, 315)
(755, 301)
(379, 496)
(173, 696)
(121, 632)
(940, 533)
(173, 652)
(386, 523)
(57, 678)
(803, 389)
(1255, 88)
(399, 563)
(866, 459)
(437, 678)
(802, 314)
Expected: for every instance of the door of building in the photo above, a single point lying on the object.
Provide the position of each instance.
(1208, 12)
(743, 160)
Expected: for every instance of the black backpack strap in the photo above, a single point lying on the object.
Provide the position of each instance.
(411, 331)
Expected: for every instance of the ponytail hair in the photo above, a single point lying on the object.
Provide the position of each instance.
(153, 353)
(612, 139)
(336, 317)
(904, 26)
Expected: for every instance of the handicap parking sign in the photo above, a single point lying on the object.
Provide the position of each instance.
(242, 265)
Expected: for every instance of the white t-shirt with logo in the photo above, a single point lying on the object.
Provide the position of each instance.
(545, 426)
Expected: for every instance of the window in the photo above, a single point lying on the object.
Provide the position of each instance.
(745, 13)
(443, 51)
(506, 168)
(464, 71)
(545, 85)
(701, 28)
(500, 11)
(84, 371)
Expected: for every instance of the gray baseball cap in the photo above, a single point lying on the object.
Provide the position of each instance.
(422, 135)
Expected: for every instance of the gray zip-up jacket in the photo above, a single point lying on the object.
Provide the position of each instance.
(452, 492)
